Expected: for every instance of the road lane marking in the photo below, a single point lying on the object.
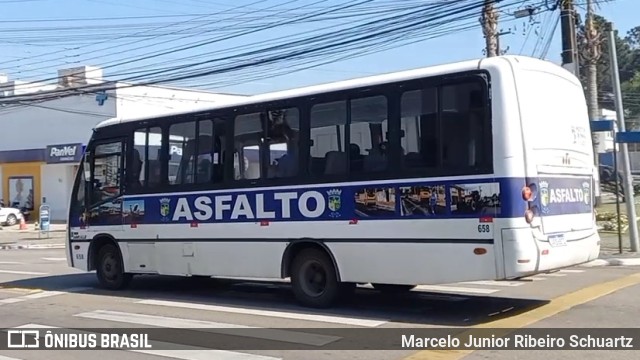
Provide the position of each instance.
(494, 283)
(269, 313)
(204, 354)
(55, 258)
(21, 272)
(552, 275)
(40, 295)
(294, 337)
(455, 289)
(535, 278)
(571, 271)
(8, 358)
(555, 306)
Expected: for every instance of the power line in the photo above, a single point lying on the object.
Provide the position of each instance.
(315, 46)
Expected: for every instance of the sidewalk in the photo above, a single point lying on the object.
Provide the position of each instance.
(610, 251)
(12, 238)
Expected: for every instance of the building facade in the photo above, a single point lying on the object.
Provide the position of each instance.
(41, 142)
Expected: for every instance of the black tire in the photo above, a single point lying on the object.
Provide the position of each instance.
(314, 280)
(110, 269)
(393, 288)
(11, 220)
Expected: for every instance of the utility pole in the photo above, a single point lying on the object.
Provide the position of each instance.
(489, 21)
(569, 48)
(591, 57)
(628, 179)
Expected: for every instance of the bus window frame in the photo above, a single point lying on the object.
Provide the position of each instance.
(481, 77)
(392, 91)
(263, 108)
(123, 139)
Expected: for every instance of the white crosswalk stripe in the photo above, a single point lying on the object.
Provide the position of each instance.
(54, 259)
(556, 274)
(344, 320)
(40, 295)
(455, 289)
(16, 272)
(495, 283)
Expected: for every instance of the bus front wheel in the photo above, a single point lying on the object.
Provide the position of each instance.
(314, 280)
(110, 269)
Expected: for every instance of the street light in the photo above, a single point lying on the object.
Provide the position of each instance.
(524, 12)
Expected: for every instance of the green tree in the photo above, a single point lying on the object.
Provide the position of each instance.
(628, 58)
(631, 96)
(628, 52)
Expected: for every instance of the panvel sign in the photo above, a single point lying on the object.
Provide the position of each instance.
(249, 206)
(65, 153)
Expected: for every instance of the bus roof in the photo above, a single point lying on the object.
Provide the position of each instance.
(466, 65)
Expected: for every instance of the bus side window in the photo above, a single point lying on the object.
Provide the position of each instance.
(368, 128)
(419, 118)
(248, 140)
(182, 136)
(283, 134)
(328, 154)
(462, 123)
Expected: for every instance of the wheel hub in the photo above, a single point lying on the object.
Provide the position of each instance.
(314, 279)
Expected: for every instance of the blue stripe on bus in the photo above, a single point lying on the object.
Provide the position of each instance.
(497, 198)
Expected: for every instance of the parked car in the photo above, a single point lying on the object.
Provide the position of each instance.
(607, 174)
(9, 216)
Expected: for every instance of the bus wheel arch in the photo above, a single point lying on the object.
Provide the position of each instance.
(106, 258)
(314, 273)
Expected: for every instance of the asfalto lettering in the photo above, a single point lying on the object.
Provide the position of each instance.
(309, 204)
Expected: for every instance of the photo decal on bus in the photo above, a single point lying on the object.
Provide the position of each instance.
(479, 198)
(375, 202)
(423, 200)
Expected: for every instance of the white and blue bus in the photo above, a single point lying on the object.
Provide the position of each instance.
(477, 170)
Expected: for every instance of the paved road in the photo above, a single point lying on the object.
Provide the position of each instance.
(37, 288)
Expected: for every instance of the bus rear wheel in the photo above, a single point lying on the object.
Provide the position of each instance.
(314, 280)
(110, 268)
(393, 288)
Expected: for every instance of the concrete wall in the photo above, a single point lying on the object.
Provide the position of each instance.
(60, 121)
(57, 180)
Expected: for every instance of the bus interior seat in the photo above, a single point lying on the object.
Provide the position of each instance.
(204, 171)
(136, 170)
(376, 160)
(154, 172)
(336, 163)
(356, 158)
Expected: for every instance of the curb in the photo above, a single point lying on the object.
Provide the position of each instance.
(613, 262)
(31, 247)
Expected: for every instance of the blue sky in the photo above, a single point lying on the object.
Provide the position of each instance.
(39, 60)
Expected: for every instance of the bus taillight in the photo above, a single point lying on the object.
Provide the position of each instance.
(528, 216)
(529, 192)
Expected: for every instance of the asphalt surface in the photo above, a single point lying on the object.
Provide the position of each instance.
(37, 287)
